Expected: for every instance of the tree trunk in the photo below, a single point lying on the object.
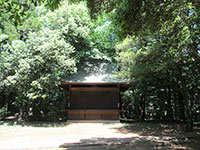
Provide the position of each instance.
(143, 111)
(169, 115)
(181, 106)
(186, 96)
(7, 101)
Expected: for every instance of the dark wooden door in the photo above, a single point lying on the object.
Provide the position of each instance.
(94, 103)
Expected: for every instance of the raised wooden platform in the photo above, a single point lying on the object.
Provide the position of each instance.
(94, 121)
(76, 114)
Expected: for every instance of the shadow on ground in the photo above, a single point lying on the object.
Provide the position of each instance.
(110, 143)
(156, 128)
(153, 128)
(151, 136)
(142, 143)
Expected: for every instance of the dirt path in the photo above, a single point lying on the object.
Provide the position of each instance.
(95, 136)
(37, 137)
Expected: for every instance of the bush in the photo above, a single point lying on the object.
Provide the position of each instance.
(3, 112)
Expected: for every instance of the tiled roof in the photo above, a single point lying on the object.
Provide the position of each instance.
(94, 70)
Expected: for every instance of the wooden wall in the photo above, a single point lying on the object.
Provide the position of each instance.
(94, 103)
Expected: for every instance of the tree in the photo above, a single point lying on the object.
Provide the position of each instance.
(74, 23)
(104, 35)
(15, 9)
(168, 57)
(32, 68)
(164, 43)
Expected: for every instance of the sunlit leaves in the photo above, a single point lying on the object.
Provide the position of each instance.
(16, 8)
(74, 24)
(104, 35)
(164, 58)
(34, 66)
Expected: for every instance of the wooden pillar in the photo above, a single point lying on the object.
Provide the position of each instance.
(120, 100)
(69, 103)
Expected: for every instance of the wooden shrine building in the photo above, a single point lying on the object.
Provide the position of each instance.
(93, 93)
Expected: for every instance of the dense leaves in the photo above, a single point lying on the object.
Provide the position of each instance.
(15, 9)
(164, 63)
(33, 66)
(104, 36)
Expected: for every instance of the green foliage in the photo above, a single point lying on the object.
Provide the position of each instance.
(40, 52)
(131, 108)
(43, 51)
(10, 30)
(3, 39)
(15, 9)
(104, 35)
(30, 23)
(160, 54)
(164, 62)
(3, 112)
(97, 6)
(32, 67)
(73, 22)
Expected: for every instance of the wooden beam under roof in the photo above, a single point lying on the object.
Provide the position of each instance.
(96, 83)
(124, 85)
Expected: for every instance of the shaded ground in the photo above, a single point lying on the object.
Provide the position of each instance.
(91, 136)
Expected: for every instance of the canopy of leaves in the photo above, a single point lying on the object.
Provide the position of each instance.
(104, 35)
(33, 67)
(15, 9)
(165, 57)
